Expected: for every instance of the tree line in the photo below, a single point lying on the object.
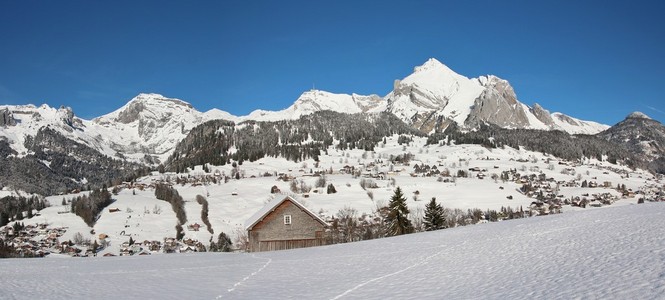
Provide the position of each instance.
(294, 140)
(397, 219)
(169, 194)
(17, 208)
(88, 207)
(56, 164)
(554, 142)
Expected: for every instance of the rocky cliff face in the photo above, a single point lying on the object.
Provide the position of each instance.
(150, 124)
(497, 105)
(6, 118)
(543, 115)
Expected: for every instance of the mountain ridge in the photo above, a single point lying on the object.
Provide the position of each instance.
(149, 126)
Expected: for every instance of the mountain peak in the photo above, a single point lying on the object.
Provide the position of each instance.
(638, 115)
(151, 98)
(432, 64)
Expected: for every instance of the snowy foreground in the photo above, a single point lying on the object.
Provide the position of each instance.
(615, 252)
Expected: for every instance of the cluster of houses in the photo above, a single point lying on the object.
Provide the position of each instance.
(168, 245)
(41, 240)
(34, 240)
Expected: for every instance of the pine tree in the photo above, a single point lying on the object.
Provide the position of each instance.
(224, 243)
(397, 219)
(4, 219)
(434, 219)
(331, 189)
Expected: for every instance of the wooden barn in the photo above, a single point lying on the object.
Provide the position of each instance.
(283, 224)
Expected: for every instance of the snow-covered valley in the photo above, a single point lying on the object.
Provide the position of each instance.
(460, 177)
(429, 137)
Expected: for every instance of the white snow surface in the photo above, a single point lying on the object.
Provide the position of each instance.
(577, 126)
(315, 100)
(612, 253)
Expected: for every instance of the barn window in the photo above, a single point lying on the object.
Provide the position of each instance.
(287, 219)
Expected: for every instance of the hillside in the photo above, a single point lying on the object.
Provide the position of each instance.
(614, 253)
(641, 135)
(461, 177)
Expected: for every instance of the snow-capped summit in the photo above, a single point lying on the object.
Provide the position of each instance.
(434, 64)
(638, 115)
(434, 95)
(153, 124)
(316, 100)
(433, 90)
(145, 104)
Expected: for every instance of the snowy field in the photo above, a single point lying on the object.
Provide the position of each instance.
(609, 253)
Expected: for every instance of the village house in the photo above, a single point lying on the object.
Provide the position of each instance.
(283, 224)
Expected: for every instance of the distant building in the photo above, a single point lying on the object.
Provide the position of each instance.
(283, 224)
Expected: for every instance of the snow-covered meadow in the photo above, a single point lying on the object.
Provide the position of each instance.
(610, 253)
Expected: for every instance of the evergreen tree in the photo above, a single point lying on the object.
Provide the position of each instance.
(4, 219)
(434, 219)
(331, 189)
(397, 218)
(224, 243)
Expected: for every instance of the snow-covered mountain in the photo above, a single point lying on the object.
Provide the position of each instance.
(21, 122)
(640, 134)
(152, 124)
(316, 100)
(149, 126)
(145, 130)
(434, 95)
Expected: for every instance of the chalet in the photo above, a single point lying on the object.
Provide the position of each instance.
(194, 227)
(283, 224)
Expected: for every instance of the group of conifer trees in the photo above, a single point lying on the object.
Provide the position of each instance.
(18, 208)
(88, 207)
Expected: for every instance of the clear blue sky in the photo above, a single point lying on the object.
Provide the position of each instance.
(596, 61)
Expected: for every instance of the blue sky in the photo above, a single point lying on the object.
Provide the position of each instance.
(594, 60)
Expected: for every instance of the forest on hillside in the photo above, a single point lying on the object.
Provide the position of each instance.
(219, 142)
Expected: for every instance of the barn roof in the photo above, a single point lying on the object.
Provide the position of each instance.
(272, 205)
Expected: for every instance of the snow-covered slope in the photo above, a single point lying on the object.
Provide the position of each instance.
(575, 126)
(316, 100)
(23, 121)
(614, 253)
